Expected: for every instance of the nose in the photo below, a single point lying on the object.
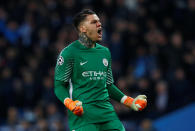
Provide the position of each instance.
(99, 24)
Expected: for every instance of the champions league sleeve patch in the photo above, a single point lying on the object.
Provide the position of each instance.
(60, 60)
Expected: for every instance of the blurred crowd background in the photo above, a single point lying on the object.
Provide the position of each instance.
(152, 43)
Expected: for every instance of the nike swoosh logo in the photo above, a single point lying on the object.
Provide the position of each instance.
(82, 63)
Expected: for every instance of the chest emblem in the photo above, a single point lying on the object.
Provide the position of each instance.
(105, 62)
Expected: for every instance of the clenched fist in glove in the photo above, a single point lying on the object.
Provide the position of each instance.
(137, 104)
(74, 106)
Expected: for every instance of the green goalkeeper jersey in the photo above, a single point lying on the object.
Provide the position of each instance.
(88, 72)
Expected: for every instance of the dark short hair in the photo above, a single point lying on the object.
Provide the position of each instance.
(78, 18)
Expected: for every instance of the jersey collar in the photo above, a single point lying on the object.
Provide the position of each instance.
(79, 45)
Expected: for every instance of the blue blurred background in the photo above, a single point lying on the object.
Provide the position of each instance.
(153, 51)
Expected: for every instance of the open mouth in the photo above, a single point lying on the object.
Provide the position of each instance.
(99, 31)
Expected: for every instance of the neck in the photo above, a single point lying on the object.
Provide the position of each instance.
(86, 41)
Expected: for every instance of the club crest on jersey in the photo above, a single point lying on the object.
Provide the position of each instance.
(105, 62)
(60, 60)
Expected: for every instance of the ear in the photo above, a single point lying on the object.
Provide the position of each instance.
(82, 28)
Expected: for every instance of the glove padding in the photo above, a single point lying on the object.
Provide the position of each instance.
(74, 106)
(137, 104)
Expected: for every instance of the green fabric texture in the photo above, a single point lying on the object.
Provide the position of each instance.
(104, 126)
(95, 112)
(60, 90)
(115, 93)
(87, 70)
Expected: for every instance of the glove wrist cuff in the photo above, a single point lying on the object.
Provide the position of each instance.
(65, 100)
(69, 103)
(123, 99)
(128, 101)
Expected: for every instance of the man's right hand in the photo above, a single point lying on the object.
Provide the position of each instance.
(74, 106)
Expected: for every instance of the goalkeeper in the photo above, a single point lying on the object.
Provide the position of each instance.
(84, 81)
